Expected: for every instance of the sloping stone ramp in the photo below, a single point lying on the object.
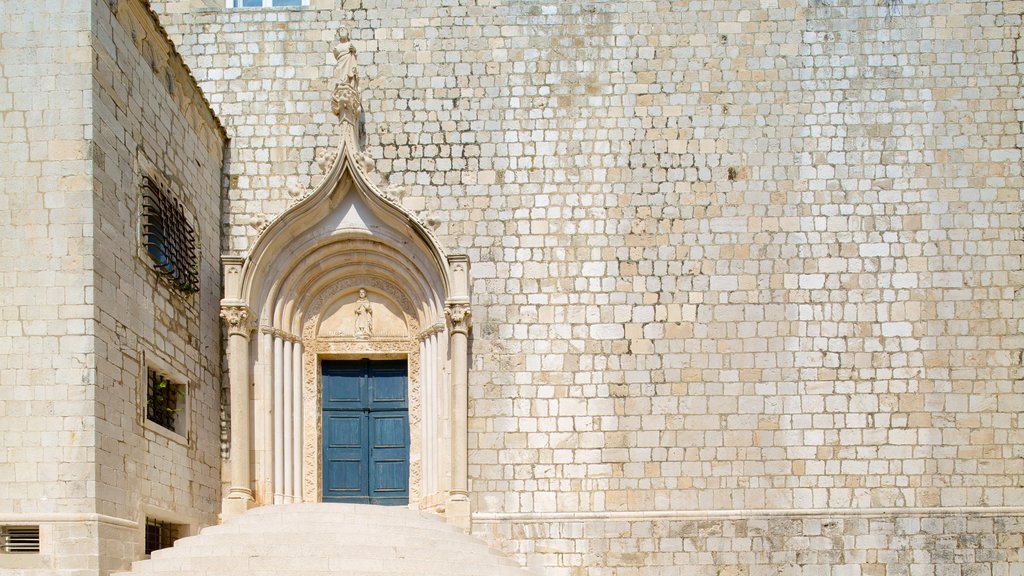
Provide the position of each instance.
(330, 539)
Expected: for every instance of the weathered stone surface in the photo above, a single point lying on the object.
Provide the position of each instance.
(92, 100)
(730, 261)
(725, 257)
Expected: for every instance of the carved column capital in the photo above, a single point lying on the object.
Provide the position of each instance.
(458, 317)
(238, 319)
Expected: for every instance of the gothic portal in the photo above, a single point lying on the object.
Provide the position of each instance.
(346, 276)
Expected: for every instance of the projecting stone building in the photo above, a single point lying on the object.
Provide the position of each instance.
(622, 288)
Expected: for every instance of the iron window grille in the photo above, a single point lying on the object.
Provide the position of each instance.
(168, 237)
(19, 539)
(165, 401)
(161, 535)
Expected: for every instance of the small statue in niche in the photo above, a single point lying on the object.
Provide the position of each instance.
(364, 316)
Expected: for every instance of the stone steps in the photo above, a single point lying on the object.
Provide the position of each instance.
(334, 539)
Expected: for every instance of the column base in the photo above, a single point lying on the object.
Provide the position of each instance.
(234, 506)
(457, 512)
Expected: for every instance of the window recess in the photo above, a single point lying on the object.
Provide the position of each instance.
(160, 535)
(165, 401)
(168, 237)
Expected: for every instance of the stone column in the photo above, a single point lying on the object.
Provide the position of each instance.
(239, 324)
(457, 507)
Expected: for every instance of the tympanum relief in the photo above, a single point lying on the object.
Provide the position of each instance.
(363, 315)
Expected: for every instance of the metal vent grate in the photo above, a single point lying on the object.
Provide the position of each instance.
(19, 539)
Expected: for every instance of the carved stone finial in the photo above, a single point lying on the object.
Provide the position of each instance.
(459, 317)
(237, 319)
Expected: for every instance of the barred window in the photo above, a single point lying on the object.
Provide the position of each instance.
(161, 535)
(168, 237)
(165, 401)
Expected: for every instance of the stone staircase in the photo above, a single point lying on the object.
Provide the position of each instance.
(330, 539)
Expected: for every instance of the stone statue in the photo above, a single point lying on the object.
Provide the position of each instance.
(364, 316)
(345, 54)
(345, 95)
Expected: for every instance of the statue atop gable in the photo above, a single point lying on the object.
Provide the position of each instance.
(346, 81)
(345, 56)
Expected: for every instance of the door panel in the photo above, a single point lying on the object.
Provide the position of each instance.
(365, 432)
(388, 385)
(345, 456)
(389, 456)
(344, 385)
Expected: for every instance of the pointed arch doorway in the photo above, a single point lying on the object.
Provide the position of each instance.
(344, 274)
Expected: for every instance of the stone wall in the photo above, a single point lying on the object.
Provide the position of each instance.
(727, 256)
(876, 544)
(85, 113)
(150, 121)
(45, 221)
(47, 360)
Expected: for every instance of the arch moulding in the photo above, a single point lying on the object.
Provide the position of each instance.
(344, 273)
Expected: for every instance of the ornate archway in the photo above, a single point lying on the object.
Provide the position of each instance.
(345, 272)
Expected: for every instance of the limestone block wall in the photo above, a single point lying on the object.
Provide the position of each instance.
(85, 111)
(47, 361)
(45, 347)
(150, 121)
(729, 258)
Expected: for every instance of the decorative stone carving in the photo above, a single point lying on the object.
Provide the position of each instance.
(325, 158)
(225, 423)
(236, 318)
(317, 307)
(363, 321)
(367, 163)
(345, 57)
(431, 330)
(459, 317)
(345, 97)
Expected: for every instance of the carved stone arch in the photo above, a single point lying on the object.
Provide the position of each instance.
(345, 235)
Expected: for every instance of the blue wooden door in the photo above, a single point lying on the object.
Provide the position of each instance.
(365, 432)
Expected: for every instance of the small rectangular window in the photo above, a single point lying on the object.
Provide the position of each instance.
(169, 238)
(19, 539)
(161, 535)
(165, 401)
